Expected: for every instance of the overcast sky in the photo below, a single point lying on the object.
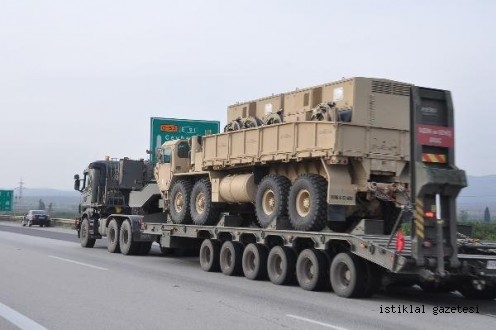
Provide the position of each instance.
(80, 79)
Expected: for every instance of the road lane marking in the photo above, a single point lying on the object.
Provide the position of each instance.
(327, 325)
(491, 315)
(18, 319)
(78, 263)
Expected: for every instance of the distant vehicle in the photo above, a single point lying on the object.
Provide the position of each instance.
(36, 217)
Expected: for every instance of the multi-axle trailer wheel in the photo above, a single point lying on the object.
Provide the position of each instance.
(313, 269)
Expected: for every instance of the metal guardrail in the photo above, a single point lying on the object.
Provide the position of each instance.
(58, 222)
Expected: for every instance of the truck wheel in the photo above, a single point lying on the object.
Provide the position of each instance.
(373, 281)
(470, 290)
(84, 234)
(255, 261)
(348, 276)
(209, 255)
(113, 237)
(179, 202)
(281, 264)
(308, 203)
(252, 122)
(231, 254)
(273, 118)
(203, 211)
(271, 200)
(126, 243)
(312, 270)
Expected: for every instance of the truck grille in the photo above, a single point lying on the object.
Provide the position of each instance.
(387, 87)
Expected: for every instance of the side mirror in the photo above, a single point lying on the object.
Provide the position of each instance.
(77, 183)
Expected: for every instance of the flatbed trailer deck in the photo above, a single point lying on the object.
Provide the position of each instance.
(378, 258)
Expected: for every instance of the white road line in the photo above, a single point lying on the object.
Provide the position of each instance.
(18, 319)
(327, 325)
(78, 263)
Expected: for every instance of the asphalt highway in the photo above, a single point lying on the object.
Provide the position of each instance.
(47, 281)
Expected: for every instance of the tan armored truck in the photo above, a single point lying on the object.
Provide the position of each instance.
(311, 159)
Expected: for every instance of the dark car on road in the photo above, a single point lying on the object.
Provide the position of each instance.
(36, 217)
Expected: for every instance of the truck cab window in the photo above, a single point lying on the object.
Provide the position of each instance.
(183, 149)
(166, 157)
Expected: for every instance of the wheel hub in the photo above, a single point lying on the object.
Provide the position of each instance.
(179, 202)
(268, 201)
(303, 202)
(278, 265)
(200, 203)
(309, 268)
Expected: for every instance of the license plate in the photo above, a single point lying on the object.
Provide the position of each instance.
(491, 264)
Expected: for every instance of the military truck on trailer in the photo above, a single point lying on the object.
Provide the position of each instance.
(314, 184)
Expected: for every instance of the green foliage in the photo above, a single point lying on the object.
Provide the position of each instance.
(64, 215)
(480, 230)
(484, 231)
(406, 227)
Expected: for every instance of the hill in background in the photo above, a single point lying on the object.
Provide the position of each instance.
(64, 203)
(480, 193)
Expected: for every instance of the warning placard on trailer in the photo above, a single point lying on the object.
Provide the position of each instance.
(436, 136)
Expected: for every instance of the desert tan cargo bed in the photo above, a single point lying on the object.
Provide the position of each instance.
(306, 139)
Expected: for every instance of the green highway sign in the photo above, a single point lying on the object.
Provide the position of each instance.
(6, 200)
(168, 129)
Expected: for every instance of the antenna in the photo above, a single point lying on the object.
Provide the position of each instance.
(19, 198)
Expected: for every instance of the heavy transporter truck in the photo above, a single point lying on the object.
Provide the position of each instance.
(313, 186)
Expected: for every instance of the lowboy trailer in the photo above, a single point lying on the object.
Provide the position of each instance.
(315, 186)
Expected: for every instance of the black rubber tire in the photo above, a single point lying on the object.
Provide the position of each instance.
(273, 118)
(144, 248)
(209, 255)
(126, 243)
(252, 122)
(181, 215)
(23, 224)
(254, 261)
(113, 237)
(373, 280)
(281, 265)
(278, 187)
(312, 270)
(314, 187)
(210, 214)
(230, 257)
(41, 226)
(348, 265)
(84, 234)
(467, 289)
(48, 224)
